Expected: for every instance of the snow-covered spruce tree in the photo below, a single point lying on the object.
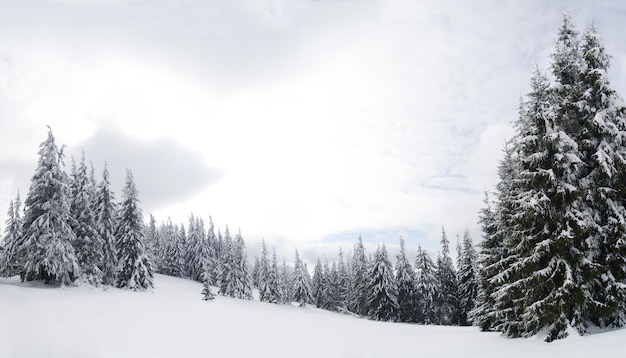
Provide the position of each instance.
(468, 279)
(153, 243)
(405, 280)
(47, 252)
(426, 288)
(235, 276)
(255, 272)
(602, 143)
(243, 279)
(184, 249)
(496, 223)
(106, 222)
(447, 299)
(199, 255)
(545, 281)
(382, 300)
(343, 291)
(207, 294)
(227, 263)
(171, 251)
(12, 240)
(317, 285)
(275, 294)
(285, 278)
(334, 289)
(134, 267)
(301, 283)
(88, 244)
(213, 262)
(264, 276)
(359, 266)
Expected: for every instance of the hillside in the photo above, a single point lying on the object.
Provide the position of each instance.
(173, 321)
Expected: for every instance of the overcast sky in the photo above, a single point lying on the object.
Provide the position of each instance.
(305, 122)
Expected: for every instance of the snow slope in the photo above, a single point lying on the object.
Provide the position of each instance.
(173, 321)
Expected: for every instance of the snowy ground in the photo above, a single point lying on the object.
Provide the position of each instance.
(173, 321)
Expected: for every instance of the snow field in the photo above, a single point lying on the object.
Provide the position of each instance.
(173, 321)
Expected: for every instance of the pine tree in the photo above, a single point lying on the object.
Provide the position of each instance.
(135, 269)
(468, 279)
(382, 300)
(264, 276)
(87, 243)
(317, 285)
(47, 252)
(207, 295)
(285, 279)
(343, 291)
(494, 258)
(227, 268)
(213, 242)
(359, 280)
(301, 283)
(426, 287)
(407, 295)
(447, 300)
(105, 213)
(153, 244)
(275, 293)
(172, 257)
(13, 239)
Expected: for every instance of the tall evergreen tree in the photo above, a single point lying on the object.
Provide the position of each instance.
(382, 289)
(468, 279)
(301, 283)
(494, 258)
(106, 222)
(405, 280)
(426, 287)
(47, 252)
(275, 289)
(135, 269)
(13, 239)
(448, 286)
(87, 243)
(359, 280)
(317, 285)
(602, 142)
(264, 276)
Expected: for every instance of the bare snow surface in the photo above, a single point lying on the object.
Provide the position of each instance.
(173, 321)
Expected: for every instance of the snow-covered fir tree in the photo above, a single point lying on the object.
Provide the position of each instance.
(468, 279)
(359, 280)
(264, 276)
(106, 222)
(153, 244)
(447, 299)
(407, 294)
(275, 294)
(426, 288)
(134, 267)
(382, 300)
(12, 240)
(47, 252)
(493, 258)
(317, 286)
(301, 283)
(602, 143)
(88, 244)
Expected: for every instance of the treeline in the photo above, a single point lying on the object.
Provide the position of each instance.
(425, 291)
(72, 230)
(553, 257)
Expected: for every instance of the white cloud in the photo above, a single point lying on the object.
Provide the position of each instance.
(324, 117)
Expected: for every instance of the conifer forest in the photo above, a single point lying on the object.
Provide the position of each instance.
(552, 256)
